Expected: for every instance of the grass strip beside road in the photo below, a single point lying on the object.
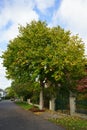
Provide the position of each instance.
(24, 105)
(71, 123)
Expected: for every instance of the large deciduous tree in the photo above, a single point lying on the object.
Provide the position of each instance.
(42, 54)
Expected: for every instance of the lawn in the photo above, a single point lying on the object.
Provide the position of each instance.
(71, 123)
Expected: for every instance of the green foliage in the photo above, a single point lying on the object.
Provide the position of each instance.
(26, 90)
(10, 93)
(46, 54)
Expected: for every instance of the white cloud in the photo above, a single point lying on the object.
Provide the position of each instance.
(72, 15)
(3, 81)
(42, 5)
(20, 12)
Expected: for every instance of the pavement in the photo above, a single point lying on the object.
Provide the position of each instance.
(49, 114)
(12, 117)
(53, 114)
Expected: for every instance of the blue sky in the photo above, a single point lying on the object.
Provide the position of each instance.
(69, 14)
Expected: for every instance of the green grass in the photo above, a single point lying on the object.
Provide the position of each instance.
(24, 105)
(71, 123)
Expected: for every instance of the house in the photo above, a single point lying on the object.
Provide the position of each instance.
(2, 93)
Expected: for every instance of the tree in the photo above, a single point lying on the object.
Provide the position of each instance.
(10, 93)
(46, 55)
(25, 54)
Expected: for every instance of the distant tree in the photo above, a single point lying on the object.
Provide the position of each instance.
(10, 93)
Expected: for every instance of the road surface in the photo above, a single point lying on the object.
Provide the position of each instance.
(12, 117)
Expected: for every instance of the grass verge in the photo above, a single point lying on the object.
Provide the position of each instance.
(71, 123)
(24, 105)
(27, 106)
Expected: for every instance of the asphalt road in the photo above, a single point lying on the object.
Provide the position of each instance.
(13, 117)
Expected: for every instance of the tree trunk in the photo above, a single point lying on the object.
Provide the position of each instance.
(72, 104)
(52, 104)
(41, 100)
(41, 103)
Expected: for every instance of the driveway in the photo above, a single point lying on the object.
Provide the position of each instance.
(12, 117)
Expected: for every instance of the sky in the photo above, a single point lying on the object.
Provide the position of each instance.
(69, 14)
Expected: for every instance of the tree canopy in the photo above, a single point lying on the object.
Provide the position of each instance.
(41, 54)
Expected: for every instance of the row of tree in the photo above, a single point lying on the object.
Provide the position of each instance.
(40, 57)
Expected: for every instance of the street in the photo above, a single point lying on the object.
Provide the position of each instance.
(12, 117)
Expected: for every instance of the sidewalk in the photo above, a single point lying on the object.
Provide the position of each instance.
(50, 114)
(84, 116)
(53, 114)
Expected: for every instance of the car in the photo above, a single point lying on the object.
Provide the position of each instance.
(12, 99)
(0, 98)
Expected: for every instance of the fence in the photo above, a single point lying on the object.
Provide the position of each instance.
(81, 106)
(62, 102)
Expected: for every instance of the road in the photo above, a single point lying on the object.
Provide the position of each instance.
(12, 117)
